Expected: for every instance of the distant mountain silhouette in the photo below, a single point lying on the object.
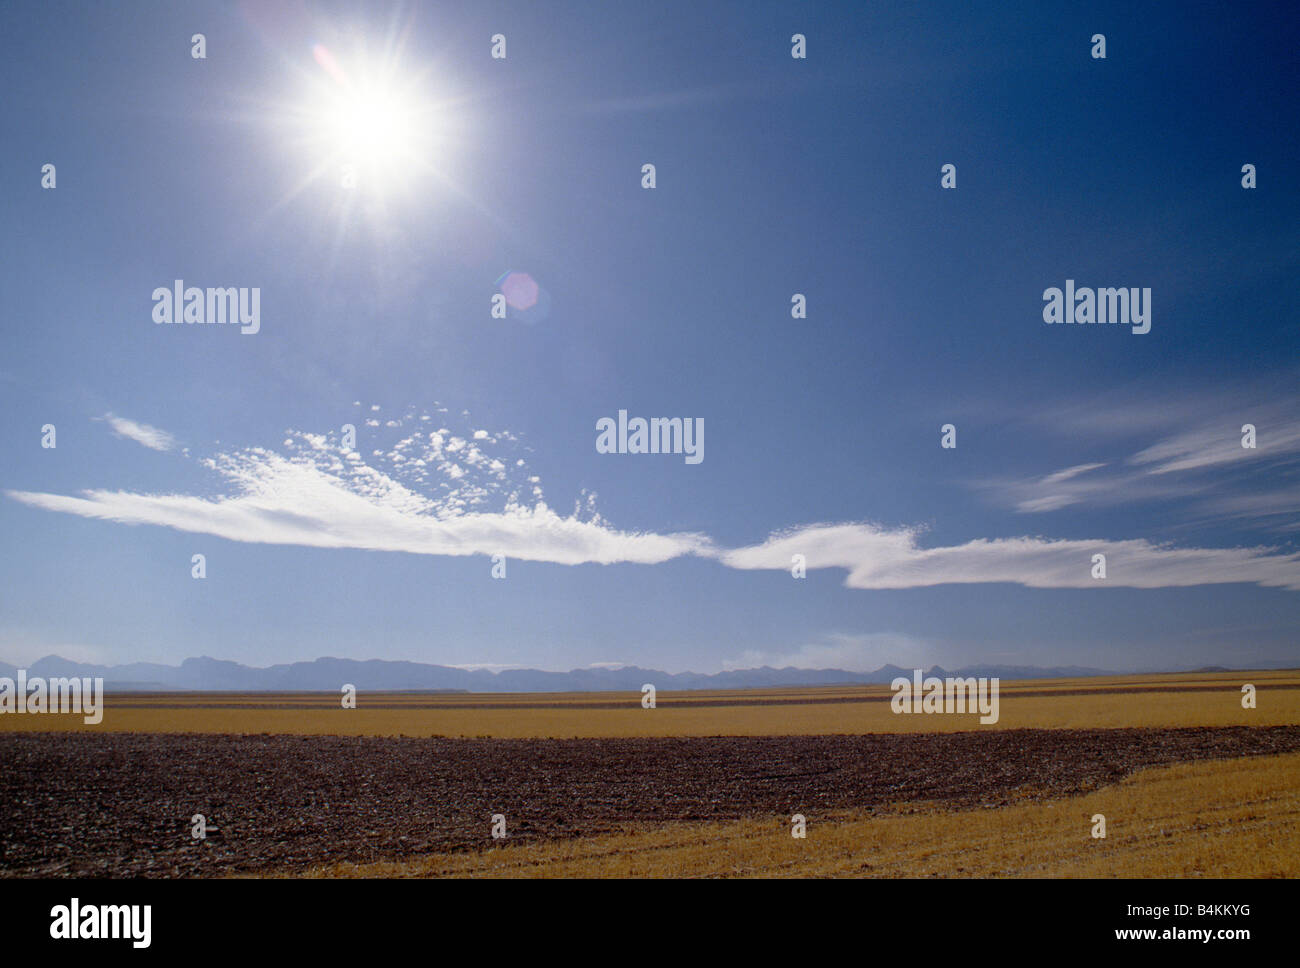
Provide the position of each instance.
(328, 674)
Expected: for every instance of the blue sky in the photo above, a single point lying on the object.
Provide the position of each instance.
(775, 176)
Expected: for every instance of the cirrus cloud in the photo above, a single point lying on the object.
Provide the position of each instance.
(143, 434)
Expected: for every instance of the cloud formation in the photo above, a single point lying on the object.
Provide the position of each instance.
(323, 496)
(1196, 457)
(839, 650)
(880, 558)
(150, 437)
(439, 493)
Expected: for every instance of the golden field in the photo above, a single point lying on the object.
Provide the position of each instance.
(1236, 816)
(1220, 818)
(1192, 699)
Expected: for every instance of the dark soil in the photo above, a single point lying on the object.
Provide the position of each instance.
(120, 804)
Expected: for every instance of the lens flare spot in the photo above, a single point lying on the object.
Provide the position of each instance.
(520, 290)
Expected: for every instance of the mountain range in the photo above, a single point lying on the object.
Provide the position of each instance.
(329, 674)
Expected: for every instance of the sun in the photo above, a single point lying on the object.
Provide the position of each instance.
(370, 138)
(377, 128)
(369, 129)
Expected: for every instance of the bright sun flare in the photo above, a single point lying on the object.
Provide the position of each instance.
(364, 125)
(373, 127)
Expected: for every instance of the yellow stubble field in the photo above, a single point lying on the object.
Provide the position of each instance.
(1221, 818)
(1191, 699)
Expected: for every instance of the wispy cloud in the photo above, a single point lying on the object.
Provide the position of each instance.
(881, 558)
(1219, 444)
(839, 650)
(150, 437)
(1196, 456)
(438, 493)
(1070, 472)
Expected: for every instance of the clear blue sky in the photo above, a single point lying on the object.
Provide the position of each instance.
(774, 176)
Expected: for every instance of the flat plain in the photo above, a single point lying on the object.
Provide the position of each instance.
(705, 784)
(1159, 701)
